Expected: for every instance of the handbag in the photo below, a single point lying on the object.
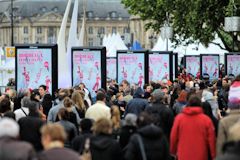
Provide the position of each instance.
(143, 153)
(86, 155)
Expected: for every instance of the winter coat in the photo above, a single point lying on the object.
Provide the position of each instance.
(178, 107)
(103, 147)
(154, 142)
(11, 149)
(164, 117)
(231, 152)
(79, 142)
(30, 131)
(192, 135)
(58, 154)
(125, 133)
(223, 128)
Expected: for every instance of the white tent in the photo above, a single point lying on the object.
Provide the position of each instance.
(7, 70)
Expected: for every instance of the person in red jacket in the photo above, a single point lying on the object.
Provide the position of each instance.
(192, 135)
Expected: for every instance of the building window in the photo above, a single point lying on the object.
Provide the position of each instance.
(25, 40)
(90, 41)
(90, 30)
(39, 40)
(125, 30)
(39, 30)
(101, 30)
(114, 30)
(25, 30)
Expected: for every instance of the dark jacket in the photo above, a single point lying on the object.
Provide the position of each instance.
(125, 133)
(30, 130)
(163, 117)
(79, 141)
(137, 104)
(11, 149)
(154, 141)
(71, 131)
(230, 151)
(58, 154)
(103, 147)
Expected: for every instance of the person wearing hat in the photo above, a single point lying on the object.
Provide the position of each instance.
(162, 114)
(232, 117)
(10, 147)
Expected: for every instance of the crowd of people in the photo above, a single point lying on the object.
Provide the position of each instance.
(187, 119)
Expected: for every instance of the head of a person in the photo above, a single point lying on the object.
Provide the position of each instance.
(139, 93)
(149, 88)
(234, 92)
(130, 120)
(115, 117)
(25, 101)
(125, 84)
(12, 93)
(101, 96)
(194, 101)
(119, 96)
(63, 93)
(35, 95)
(52, 132)
(86, 125)
(9, 128)
(10, 115)
(5, 105)
(144, 119)
(207, 96)
(102, 126)
(182, 96)
(63, 114)
(78, 100)
(82, 86)
(33, 109)
(158, 96)
(42, 90)
(67, 102)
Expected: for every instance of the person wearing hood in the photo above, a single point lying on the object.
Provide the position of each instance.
(102, 146)
(152, 138)
(192, 135)
(138, 104)
(208, 97)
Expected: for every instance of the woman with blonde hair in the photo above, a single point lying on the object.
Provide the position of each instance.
(79, 104)
(115, 118)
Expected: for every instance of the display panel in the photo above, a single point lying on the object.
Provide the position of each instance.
(232, 62)
(192, 65)
(35, 66)
(159, 66)
(132, 67)
(112, 68)
(87, 68)
(210, 66)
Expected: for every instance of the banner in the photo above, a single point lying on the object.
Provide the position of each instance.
(131, 68)
(233, 66)
(112, 68)
(159, 67)
(87, 69)
(10, 52)
(34, 68)
(192, 65)
(210, 66)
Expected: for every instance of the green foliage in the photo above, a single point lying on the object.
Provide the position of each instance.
(192, 20)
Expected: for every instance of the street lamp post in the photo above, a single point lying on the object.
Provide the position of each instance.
(12, 35)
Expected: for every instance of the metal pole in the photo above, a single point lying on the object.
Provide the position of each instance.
(12, 35)
(167, 43)
(233, 41)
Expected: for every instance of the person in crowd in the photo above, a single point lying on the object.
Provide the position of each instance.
(137, 104)
(10, 147)
(87, 95)
(102, 145)
(208, 111)
(151, 138)
(23, 111)
(192, 135)
(12, 95)
(125, 86)
(30, 126)
(127, 97)
(69, 127)
(5, 106)
(42, 91)
(119, 101)
(174, 93)
(202, 87)
(223, 97)
(85, 132)
(180, 103)
(208, 96)
(115, 118)
(128, 129)
(46, 104)
(20, 95)
(232, 117)
(35, 96)
(162, 114)
(79, 104)
(99, 109)
(148, 91)
(53, 138)
(52, 115)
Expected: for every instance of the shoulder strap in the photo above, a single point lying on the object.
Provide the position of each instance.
(24, 112)
(139, 139)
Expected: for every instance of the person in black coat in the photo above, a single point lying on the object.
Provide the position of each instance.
(102, 146)
(30, 127)
(79, 141)
(137, 104)
(163, 116)
(154, 142)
